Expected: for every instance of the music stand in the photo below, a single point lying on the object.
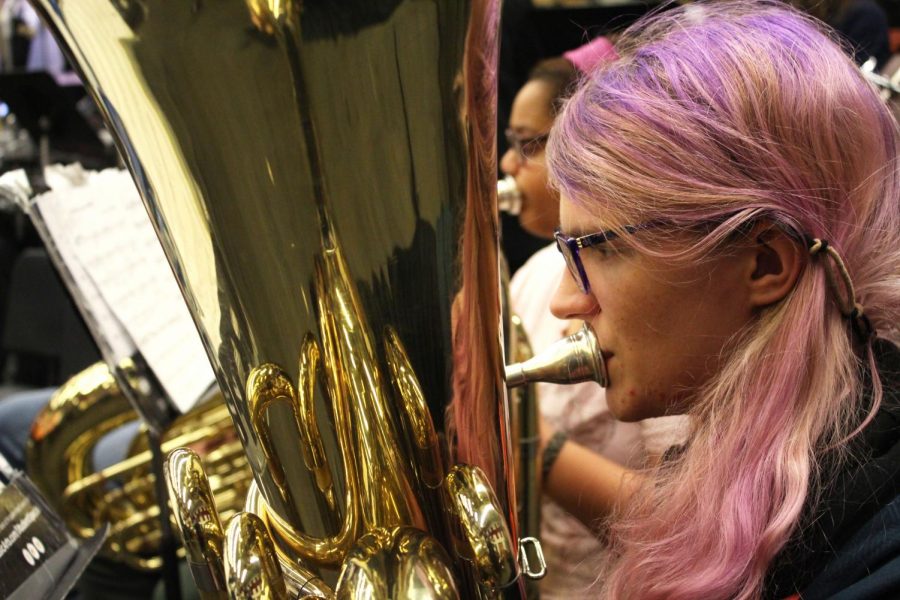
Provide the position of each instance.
(136, 381)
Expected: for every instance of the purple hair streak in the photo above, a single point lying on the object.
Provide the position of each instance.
(724, 113)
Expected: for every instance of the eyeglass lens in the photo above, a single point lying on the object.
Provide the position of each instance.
(571, 263)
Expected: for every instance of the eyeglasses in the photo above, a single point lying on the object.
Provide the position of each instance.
(570, 248)
(526, 147)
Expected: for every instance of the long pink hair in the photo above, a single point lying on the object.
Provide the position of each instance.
(728, 114)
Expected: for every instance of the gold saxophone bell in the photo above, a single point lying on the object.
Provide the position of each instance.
(573, 359)
(333, 226)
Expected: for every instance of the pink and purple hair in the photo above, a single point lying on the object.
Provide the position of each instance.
(729, 113)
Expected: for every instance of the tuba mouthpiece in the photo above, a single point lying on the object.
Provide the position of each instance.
(573, 359)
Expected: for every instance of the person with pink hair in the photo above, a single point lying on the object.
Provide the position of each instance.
(730, 219)
(572, 549)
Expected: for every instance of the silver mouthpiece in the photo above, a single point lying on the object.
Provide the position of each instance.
(509, 199)
(573, 359)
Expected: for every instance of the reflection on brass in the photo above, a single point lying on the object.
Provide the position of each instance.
(483, 537)
(333, 228)
(251, 566)
(59, 458)
(415, 410)
(402, 563)
(195, 513)
(573, 359)
(270, 15)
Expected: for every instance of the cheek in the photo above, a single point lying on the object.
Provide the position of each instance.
(533, 182)
(642, 328)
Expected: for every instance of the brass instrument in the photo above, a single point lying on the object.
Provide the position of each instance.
(59, 461)
(509, 198)
(321, 177)
(525, 414)
(573, 359)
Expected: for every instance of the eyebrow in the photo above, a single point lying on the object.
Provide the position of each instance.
(578, 232)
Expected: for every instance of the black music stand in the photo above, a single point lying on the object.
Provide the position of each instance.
(50, 113)
(39, 559)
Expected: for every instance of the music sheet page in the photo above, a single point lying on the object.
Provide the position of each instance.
(110, 236)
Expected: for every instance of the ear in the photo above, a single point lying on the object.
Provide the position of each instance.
(777, 260)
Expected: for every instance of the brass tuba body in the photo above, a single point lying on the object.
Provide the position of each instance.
(321, 177)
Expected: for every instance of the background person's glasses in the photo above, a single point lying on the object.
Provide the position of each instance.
(526, 148)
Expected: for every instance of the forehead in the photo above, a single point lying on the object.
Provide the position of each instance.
(574, 220)
(531, 108)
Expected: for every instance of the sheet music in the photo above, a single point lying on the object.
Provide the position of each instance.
(105, 236)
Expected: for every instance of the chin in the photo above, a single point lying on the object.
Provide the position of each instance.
(620, 408)
(535, 227)
(531, 230)
(631, 408)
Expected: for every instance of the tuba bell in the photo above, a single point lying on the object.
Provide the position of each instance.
(321, 177)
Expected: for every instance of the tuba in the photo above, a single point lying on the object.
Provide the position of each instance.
(321, 177)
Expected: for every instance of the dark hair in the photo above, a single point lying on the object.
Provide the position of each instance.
(561, 75)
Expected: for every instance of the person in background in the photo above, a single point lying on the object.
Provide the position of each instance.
(25, 43)
(571, 548)
(533, 111)
(731, 225)
(863, 25)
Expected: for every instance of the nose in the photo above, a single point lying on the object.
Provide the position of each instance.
(509, 164)
(569, 302)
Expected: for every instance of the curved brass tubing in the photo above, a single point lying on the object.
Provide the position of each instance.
(84, 409)
(399, 563)
(417, 419)
(356, 381)
(483, 537)
(195, 513)
(268, 384)
(252, 571)
(310, 438)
